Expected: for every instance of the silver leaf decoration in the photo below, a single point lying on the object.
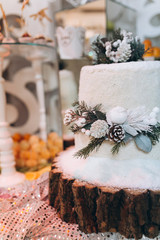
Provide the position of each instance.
(127, 138)
(130, 130)
(143, 142)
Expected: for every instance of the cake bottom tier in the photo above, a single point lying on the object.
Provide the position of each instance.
(131, 212)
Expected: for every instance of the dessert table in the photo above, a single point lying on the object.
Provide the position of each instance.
(25, 214)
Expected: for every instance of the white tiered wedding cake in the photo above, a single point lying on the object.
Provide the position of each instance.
(114, 169)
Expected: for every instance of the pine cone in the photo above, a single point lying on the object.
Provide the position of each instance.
(116, 133)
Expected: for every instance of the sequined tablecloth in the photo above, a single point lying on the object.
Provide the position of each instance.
(25, 214)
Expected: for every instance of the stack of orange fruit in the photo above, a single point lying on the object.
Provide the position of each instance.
(31, 151)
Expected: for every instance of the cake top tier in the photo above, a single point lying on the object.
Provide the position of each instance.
(128, 85)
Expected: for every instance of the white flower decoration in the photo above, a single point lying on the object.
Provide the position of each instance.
(117, 115)
(81, 122)
(140, 120)
(99, 129)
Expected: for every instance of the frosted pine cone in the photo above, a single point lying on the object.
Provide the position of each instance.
(123, 52)
(116, 133)
(99, 129)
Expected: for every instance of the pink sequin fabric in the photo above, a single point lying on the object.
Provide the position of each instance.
(25, 214)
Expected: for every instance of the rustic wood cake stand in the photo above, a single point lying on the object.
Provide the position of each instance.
(132, 213)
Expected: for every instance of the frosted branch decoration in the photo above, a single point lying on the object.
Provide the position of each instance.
(122, 47)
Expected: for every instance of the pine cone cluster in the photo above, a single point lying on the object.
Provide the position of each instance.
(116, 133)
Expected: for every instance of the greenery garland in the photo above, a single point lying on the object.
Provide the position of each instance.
(100, 127)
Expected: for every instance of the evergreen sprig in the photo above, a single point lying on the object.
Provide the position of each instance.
(116, 35)
(94, 113)
(137, 51)
(83, 107)
(154, 134)
(99, 49)
(94, 144)
(116, 147)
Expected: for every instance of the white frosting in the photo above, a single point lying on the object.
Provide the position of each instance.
(128, 85)
(130, 173)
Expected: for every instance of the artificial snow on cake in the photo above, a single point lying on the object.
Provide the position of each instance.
(110, 181)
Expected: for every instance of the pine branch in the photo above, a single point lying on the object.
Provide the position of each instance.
(100, 115)
(84, 107)
(99, 49)
(137, 51)
(117, 35)
(93, 112)
(116, 147)
(97, 107)
(94, 144)
(154, 135)
(75, 103)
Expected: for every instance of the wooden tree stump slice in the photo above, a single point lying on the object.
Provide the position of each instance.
(131, 212)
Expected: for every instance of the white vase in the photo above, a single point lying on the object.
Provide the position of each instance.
(70, 42)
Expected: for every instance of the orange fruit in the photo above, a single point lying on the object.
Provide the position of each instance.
(156, 52)
(148, 44)
(26, 136)
(148, 48)
(17, 137)
(32, 175)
